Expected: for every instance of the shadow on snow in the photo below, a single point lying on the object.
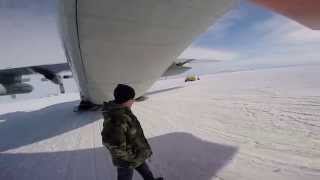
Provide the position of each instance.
(24, 128)
(176, 156)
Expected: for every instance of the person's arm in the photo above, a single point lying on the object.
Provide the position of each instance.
(143, 147)
(144, 151)
(114, 138)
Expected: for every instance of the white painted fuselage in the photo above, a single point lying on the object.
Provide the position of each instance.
(133, 42)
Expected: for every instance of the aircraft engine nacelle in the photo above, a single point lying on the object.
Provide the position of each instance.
(21, 88)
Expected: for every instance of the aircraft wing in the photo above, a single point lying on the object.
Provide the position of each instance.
(179, 67)
(11, 80)
(48, 71)
(184, 62)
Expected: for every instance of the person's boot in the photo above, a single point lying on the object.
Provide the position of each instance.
(159, 178)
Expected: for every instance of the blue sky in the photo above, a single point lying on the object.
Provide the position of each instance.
(252, 34)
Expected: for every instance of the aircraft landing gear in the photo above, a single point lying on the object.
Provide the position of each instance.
(87, 106)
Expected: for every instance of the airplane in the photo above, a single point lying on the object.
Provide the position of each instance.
(111, 42)
(13, 83)
(107, 42)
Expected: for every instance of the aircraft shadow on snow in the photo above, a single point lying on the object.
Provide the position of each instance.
(176, 155)
(24, 128)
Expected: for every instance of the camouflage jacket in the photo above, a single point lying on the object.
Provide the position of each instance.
(123, 136)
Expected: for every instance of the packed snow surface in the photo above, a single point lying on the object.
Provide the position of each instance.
(250, 125)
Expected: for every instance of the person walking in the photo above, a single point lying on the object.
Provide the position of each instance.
(123, 136)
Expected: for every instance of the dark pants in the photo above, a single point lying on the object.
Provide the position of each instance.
(127, 173)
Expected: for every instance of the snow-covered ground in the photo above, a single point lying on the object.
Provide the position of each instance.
(250, 125)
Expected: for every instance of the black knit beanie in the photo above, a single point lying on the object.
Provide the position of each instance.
(123, 93)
